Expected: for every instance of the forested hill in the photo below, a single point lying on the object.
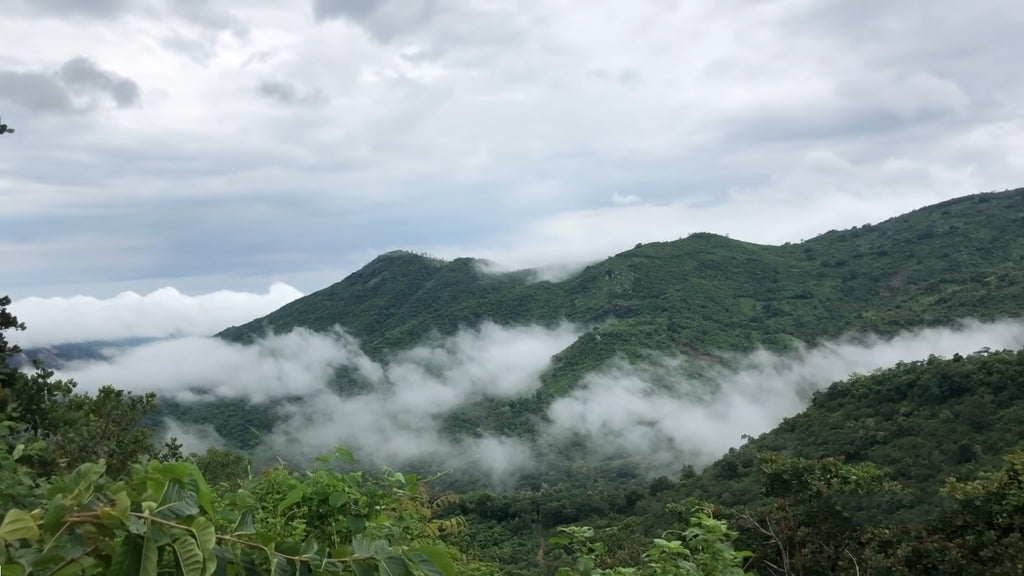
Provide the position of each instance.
(701, 294)
(925, 421)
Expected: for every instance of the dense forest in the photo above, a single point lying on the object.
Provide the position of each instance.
(917, 468)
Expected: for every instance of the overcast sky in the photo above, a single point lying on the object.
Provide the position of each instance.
(226, 145)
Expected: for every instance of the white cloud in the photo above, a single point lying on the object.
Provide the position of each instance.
(395, 420)
(162, 313)
(653, 410)
(499, 129)
(622, 200)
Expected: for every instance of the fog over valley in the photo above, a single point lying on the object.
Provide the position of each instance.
(651, 409)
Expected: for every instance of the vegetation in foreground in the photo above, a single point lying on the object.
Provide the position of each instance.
(84, 491)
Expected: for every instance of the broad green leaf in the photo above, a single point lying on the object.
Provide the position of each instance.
(186, 472)
(18, 524)
(18, 451)
(363, 547)
(357, 524)
(394, 566)
(82, 481)
(128, 558)
(206, 534)
(189, 558)
(309, 547)
(337, 499)
(433, 561)
(365, 567)
(237, 558)
(122, 505)
(178, 501)
(344, 454)
(13, 570)
(136, 525)
(55, 513)
(291, 498)
(149, 557)
(244, 523)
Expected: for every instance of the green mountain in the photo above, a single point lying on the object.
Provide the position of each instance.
(704, 293)
(699, 296)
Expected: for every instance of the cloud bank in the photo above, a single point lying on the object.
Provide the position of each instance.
(650, 409)
(653, 411)
(159, 314)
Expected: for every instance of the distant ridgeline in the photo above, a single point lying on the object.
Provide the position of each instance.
(699, 296)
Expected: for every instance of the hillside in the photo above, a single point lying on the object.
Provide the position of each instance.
(704, 293)
(924, 420)
(699, 296)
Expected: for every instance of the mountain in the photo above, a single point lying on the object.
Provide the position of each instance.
(705, 297)
(699, 296)
(58, 356)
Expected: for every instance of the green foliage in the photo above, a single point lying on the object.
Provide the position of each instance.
(925, 421)
(74, 427)
(163, 518)
(703, 549)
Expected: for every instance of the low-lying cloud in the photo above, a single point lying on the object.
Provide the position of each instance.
(651, 409)
(162, 313)
(395, 419)
(655, 411)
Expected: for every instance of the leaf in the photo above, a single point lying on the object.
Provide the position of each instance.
(128, 558)
(357, 524)
(122, 505)
(337, 499)
(189, 473)
(189, 557)
(281, 567)
(365, 567)
(291, 498)
(394, 565)
(54, 518)
(82, 481)
(433, 561)
(18, 451)
(18, 525)
(363, 547)
(178, 501)
(149, 557)
(309, 547)
(244, 523)
(206, 534)
(344, 454)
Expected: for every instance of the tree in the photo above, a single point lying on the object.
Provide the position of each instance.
(77, 427)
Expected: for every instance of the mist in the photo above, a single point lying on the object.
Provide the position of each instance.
(650, 410)
(394, 420)
(653, 411)
(159, 314)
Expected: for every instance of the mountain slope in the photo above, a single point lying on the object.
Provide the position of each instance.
(926, 421)
(700, 295)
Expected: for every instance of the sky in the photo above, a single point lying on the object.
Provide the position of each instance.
(209, 147)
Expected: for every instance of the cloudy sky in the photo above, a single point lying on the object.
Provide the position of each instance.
(228, 145)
